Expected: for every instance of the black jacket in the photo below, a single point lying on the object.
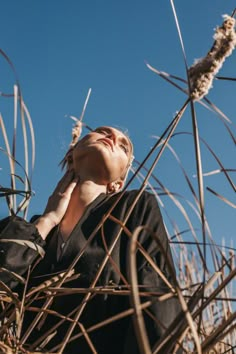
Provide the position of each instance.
(117, 337)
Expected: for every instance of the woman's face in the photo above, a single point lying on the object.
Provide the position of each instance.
(103, 154)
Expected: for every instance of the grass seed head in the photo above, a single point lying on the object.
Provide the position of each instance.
(76, 133)
(203, 71)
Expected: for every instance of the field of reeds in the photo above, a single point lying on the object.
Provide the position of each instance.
(206, 272)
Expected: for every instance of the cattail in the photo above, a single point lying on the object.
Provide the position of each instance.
(202, 72)
(76, 133)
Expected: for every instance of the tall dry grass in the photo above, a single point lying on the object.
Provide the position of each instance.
(206, 271)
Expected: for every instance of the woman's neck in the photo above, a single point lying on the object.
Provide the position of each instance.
(83, 194)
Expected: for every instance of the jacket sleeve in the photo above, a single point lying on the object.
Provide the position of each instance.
(20, 245)
(154, 240)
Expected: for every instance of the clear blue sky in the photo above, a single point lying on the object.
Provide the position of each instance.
(62, 48)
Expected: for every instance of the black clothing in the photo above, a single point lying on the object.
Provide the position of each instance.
(117, 337)
(20, 245)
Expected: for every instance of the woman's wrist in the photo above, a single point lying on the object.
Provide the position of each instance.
(45, 224)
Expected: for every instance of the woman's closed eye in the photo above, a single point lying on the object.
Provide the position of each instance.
(102, 131)
(121, 140)
(124, 148)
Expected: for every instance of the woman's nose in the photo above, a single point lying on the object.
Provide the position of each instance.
(112, 136)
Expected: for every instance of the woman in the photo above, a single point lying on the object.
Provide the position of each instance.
(86, 227)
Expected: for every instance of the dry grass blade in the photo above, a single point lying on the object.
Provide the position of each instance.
(22, 308)
(115, 266)
(141, 332)
(25, 139)
(53, 281)
(214, 172)
(86, 298)
(209, 105)
(166, 76)
(26, 243)
(13, 183)
(13, 275)
(180, 35)
(223, 169)
(199, 175)
(11, 163)
(11, 65)
(183, 211)
(219, 113)
(222, 115)
(169, 135)
(108, 321)
(218, 334)
(221, 197)
(77, 130)
(27, 115)
(12, 159)
(225, 78)
(85, 333)
(140, 326)
(5, 349)
(85, 105)
(8, 191)
(9, 293)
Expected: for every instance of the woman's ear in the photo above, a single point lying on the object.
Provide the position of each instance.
(114, 187)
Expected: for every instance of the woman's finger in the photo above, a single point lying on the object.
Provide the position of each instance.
(70, 187)
(64, 181)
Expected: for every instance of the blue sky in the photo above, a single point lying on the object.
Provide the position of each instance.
(60, 49)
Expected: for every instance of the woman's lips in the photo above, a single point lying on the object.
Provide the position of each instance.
(107, 142)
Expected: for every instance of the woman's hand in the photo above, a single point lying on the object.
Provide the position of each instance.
(57, 204)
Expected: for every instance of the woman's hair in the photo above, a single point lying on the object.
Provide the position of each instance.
(131, 158)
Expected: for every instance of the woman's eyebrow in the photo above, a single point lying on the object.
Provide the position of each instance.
(102, 128)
